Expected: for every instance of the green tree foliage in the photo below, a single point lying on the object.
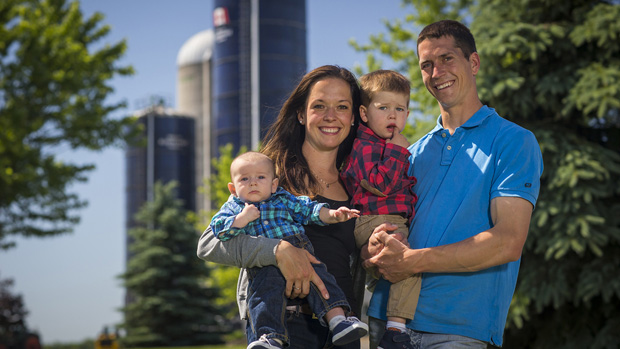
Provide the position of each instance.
(12, 316)
(222, 276)
(169, 306)
(553, 67)
(53, 84)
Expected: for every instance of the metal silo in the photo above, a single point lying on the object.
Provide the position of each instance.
(167, 156)
(258, 57)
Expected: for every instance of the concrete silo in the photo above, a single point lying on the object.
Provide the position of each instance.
(194, 99)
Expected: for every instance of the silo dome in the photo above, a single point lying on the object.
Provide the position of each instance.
(196, 49)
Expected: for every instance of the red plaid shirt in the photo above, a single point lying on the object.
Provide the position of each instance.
(384, 166)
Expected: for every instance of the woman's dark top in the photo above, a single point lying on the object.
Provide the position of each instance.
(333, 245)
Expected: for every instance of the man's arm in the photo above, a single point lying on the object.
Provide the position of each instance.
(501, 244)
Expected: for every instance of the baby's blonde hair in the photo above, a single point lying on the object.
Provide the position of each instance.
(254, 156)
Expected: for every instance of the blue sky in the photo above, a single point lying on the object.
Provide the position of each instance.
(69, 283)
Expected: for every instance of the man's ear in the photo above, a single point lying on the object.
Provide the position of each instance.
(363, 111)
(231, 189)
(474, 60)
(274, 185)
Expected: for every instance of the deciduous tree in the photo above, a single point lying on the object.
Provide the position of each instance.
(12, 316)
(54, 80)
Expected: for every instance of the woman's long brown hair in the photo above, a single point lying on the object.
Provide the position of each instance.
(283, 140)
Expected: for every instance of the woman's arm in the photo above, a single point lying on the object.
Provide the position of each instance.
(242, 251)
(246, 251)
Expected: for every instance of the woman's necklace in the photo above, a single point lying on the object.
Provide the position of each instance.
(324, 182)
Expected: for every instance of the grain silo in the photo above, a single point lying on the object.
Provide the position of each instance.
(258, 56)
(194, 99)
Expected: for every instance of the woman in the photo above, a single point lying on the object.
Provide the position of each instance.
(308, 142)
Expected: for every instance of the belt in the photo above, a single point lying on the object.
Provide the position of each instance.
(300, 308)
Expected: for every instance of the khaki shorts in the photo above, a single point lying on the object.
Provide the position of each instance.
(404, 294)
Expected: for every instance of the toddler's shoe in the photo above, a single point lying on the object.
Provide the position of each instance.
(394, 339)
(348, 330)
(264, 342)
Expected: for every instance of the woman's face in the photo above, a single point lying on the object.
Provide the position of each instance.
(328, 114)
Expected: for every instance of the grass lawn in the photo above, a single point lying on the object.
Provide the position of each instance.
(235, 340)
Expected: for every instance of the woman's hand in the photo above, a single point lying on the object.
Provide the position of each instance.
(296, 266)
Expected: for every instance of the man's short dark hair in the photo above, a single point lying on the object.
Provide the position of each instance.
(463, 38)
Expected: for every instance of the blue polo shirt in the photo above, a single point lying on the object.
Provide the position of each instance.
(458, 176)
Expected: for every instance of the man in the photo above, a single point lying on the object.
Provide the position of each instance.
(478, 181)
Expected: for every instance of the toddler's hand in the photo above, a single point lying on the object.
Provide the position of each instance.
(398, 139)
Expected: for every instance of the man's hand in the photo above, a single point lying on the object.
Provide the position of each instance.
(295, 265)
(386, 251)
(375, 245)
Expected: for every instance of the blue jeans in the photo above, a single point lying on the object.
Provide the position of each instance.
(424, 340)
(267, 301)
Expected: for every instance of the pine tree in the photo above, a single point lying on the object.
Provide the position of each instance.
(554, 68)
(223, 277)
(169, 306)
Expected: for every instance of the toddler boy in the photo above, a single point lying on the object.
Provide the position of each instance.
(376, 176)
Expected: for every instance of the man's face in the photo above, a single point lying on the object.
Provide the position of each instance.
(446, 73)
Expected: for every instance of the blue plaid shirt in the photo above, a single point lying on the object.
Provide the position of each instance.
(283, 214)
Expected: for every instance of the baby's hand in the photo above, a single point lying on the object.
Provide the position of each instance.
(343, 214)
(249, 213)
(398, 139)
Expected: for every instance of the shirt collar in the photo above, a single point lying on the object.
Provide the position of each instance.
(474, 121)
(279, 191)
(364, 132)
